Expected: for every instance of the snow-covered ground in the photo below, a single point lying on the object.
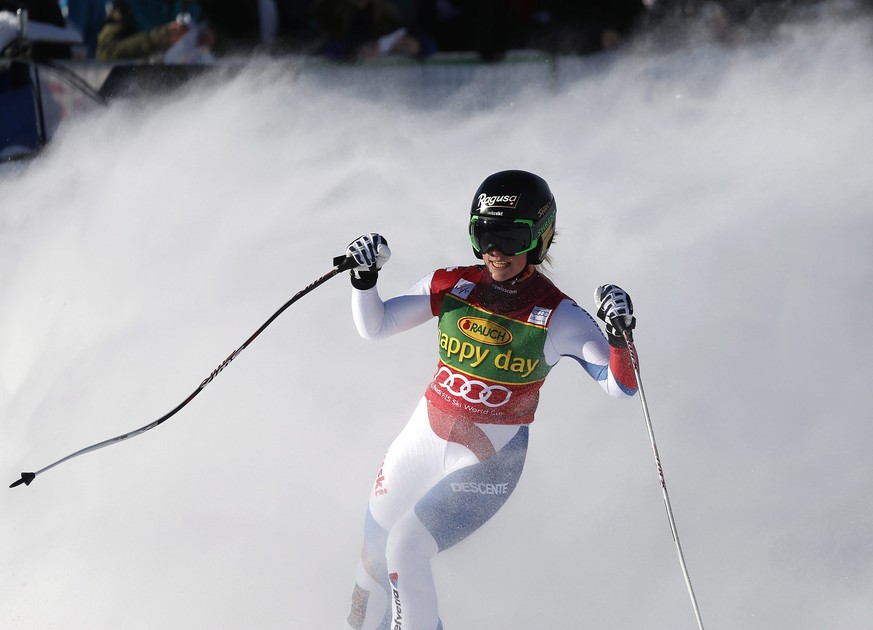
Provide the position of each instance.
(728, 190)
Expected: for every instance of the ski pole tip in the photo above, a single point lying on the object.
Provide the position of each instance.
(26, 479)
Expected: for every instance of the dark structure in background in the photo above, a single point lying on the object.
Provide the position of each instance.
(47, 12)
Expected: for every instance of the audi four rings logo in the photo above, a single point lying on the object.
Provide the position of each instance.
(472, 390)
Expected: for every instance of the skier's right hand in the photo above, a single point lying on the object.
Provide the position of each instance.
(370, 252)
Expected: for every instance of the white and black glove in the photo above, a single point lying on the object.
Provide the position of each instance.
(615, 308)
(371, 252)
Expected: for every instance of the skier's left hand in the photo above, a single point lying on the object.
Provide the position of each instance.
(615, 308)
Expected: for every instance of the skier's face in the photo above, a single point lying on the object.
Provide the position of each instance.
(503, 267)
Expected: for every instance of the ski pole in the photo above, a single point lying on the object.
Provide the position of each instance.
(341, 263)
(663, 482)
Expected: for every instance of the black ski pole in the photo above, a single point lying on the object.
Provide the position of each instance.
(636, 365)
(341, 263)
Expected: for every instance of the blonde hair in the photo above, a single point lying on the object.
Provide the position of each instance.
(547, 259)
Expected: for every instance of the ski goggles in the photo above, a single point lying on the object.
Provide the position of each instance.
(512, 237)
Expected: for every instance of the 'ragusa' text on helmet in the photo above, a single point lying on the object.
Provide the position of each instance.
(513, 210)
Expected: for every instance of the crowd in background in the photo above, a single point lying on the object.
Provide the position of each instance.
(354, 30)
(177, 39)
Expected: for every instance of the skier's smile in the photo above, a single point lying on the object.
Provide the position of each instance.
(503, 267)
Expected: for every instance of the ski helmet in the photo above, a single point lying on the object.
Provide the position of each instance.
(513, 211)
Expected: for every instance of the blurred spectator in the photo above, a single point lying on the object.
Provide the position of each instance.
(144, 29)
(239, 25)
(352, 30)
(489, 27)
(298, 28)
(274, 26)
(88, 17)
(584, 26)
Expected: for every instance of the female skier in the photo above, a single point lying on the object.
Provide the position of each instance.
(502, 326)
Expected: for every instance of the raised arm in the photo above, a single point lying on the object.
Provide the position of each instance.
(573, 333)
(374, 318)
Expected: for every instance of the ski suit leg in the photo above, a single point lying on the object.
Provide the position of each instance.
(412, 465)
(430, 493)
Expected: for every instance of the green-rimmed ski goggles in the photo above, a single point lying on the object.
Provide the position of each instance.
(510, 236)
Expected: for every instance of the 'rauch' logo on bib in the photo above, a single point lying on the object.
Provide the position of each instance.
(484, 331)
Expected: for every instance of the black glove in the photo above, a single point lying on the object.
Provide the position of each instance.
(615, 308)
(371, 252)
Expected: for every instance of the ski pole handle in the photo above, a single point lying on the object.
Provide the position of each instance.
(344, 263)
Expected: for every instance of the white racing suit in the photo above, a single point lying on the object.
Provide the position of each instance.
(461, 454)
